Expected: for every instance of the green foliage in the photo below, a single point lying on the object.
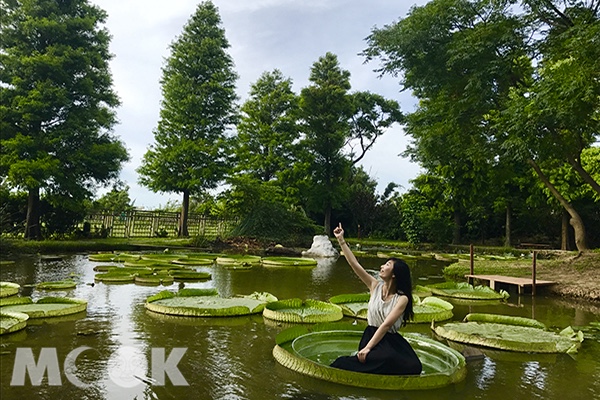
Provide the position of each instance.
(116, 201)
(266, 143)
(58, 102)
(372, 114)
(411, 207)
(486, 105)
(13, 211)
(272, 221)
(264, 215)
(325, 110)
(60, 215)
(198, 108)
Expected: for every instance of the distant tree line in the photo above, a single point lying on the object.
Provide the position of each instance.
(506, 129)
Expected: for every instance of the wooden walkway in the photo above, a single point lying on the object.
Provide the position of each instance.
(521, 283)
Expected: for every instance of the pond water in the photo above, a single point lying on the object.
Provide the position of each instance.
(230, 358)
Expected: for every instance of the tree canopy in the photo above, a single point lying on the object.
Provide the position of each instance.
(198, 108)
(497, 85)
(57, 102)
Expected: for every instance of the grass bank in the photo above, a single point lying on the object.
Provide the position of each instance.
(20, 246)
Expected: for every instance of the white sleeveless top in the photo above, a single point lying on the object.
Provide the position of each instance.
(378, 309)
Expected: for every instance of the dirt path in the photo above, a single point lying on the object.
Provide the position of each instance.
(578, 275)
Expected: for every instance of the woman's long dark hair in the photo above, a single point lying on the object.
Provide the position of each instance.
(404, 286)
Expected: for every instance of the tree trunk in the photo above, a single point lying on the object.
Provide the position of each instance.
(575, 221)
(587, 178)
(32, 224)
(327, 222)
(508, 227)
(564, 242)
(183, 220)
(456, 231)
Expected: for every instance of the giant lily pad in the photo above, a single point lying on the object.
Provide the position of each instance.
(190, 275)
(12, 321)
(510, 333)
(155, 279)
(56, 285)
(48, 307)
(193, 261)
(465, 290)
(353, 305)
(303, 311)
(110, 277)
(431, 309)
(310, 351)
(242, 259)
(121, 257)
(162, 257)
(426, 310)
(289, 262)
(9, 289)
(204, 303)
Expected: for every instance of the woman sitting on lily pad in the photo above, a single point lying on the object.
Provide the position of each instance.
(382, 350)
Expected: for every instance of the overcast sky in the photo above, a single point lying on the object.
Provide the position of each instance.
(289, 35)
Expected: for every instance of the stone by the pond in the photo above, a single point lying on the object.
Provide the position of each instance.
(321, 247)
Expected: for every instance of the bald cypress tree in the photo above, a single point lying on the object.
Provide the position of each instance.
(198, 107)
(56, 102)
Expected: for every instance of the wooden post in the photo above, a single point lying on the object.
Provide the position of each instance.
(533, 273)
(471, 258)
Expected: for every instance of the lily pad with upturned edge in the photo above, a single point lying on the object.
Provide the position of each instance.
(204, 303)
(48, 307)
(303, 311)
(12, 321)
(310, 351)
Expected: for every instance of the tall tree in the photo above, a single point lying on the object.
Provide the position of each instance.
(198, 107)
(268, 130)
(470, 61)
(326, 109)
(458, 57)
(57, 102)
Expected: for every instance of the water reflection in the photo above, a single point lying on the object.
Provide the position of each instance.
(324, 269)
(231, 358)
(534, 374)
(486, 374)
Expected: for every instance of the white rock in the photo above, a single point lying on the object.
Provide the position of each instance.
(321, 247)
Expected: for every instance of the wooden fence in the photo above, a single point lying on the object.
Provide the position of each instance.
(139, 223)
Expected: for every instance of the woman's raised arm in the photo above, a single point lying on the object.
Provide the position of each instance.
(364, 276)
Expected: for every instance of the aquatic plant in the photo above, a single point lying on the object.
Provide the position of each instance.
(205, 303)
(48, 306)
(310, 349)
(303, 311)
(510, 333)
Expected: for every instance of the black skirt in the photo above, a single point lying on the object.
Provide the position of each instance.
(393, 355)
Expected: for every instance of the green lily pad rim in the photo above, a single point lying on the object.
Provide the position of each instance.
(8, 289)
(19, 325)
(78, 306)
(57, 285)
(190, 275)
(504, 319)
(230, 310)
(289, 261)
(463, 290)
(272, 311)
(238, 258)
(358, 379)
